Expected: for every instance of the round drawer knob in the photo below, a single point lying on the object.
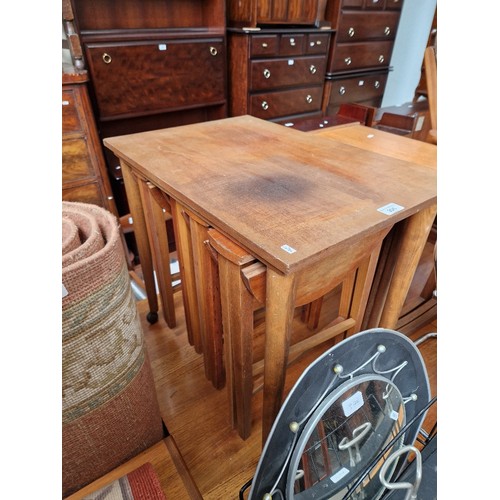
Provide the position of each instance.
(342, 90)
(213, 51)
(309, 98)
(106, 58)
(348, 61)
(387, 31)
(312, 69)
(264, 45)
(292, 42)
(377, 84)
(265, 105)
(267, 73)
(381, 58)
(351, 32)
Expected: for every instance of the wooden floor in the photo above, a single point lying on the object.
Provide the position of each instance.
(196, 414)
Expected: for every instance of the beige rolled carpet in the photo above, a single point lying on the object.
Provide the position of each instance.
(110, 411)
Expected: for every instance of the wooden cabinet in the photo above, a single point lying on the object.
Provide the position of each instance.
(152, 64)
(277, 73)
(84, 176)
(253, 13)
(360, 53)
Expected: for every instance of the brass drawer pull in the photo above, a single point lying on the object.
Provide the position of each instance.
(342, 90)
(264, 45)
(377, 84)
(387, 31)
(265, 105)
(348, 61)
(381, 58)
(213, 51)
(309, 99)
(267, 73)
(351, 32)
(106, 58)
(312, 69)
(292, 42)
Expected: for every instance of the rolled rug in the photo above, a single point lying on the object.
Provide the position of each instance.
(110, 411)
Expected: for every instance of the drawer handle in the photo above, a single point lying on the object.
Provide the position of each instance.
(309, 98)
(381, 58)
(292, 42)
(213, 51)
(342, 90)
(348, 61)
(387, 31)
(267, 73)
(377, 84)
(265, 105)
(312, 69)
(351, 32)
(264, 45)
(106, 58)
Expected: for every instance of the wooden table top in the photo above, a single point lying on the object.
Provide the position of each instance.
(289, 197)
(382, 142)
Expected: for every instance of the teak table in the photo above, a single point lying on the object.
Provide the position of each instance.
(307, 209)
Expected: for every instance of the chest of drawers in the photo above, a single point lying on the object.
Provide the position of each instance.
(277, 73)
(361, 50)
(84, 177)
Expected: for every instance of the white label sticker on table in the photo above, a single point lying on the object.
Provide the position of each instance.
(288, 249)
(339, 475)
(390, 209)
(355, 402)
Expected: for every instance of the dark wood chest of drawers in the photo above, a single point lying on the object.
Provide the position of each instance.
(360, 54)
(84, 176)
(276, 73)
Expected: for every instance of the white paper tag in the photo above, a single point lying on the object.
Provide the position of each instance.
(394, 415)
(339, 475)
(390, 208)
(288, 249)
(355, 402)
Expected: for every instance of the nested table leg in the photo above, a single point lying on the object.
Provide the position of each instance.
(209, 302)
(141, 237)
(186, 268)
(414, 236)
(280, 300)
(154, 206)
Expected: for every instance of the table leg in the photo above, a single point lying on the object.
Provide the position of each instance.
(186, 268)
(208, 296)
(280, 300)
(158, 238)
(415, 232)
(141, 238)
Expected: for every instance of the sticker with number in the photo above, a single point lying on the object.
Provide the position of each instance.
(390, 208)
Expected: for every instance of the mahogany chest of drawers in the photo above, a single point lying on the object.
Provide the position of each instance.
(84, 176)
(360, 54)
(277, 73)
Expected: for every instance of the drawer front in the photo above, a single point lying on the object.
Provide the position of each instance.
(374, 4)
(88, 193)
(76, 163)
(292, 45)
(317, 44)
(357, 26)
(354, 56)
(286, 102)
(394, 4)
(137, 78)
(264, 45)
(352, 4)
(273, 73)
(71, 122)
(357, 89)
